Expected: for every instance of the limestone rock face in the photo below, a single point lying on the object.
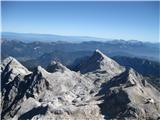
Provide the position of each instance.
(99, 62)
(12, 84)
(100, 69)
(58, 94)
(56, 66)
(101, 90)
(130, 96)
(11, 68)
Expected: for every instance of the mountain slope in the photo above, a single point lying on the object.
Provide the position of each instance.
(98, 61)
(143, 66)
(105, 90)
(10, 69)
(13, 84)
(58, 94)
(99, 68)
(130, 96)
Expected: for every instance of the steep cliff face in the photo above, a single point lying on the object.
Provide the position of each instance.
(100, 69)
(130, 96)
(100, 62)
(10, 69)
(102, 89)
(12, 84)
(58, 94)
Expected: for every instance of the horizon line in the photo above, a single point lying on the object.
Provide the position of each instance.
(97, 37)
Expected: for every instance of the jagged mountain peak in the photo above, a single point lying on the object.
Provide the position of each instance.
(130, 73)
(100, 62)
(128, 78)
(98, 55)
(60, 92)
(55, 66)
(133, 73)
(11, 64)
(40, 71)
(133, 78)
(11, 60)
(130, 92)
(97, 51)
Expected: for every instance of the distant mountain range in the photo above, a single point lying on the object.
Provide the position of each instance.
(111, 48)
(30, 37)
(143, 57)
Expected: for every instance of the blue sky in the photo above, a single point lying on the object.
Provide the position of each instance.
(116, 20)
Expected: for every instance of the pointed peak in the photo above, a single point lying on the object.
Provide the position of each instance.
(134, 74)
(40, 69)
(131, 72)
(132, 77)
(98, 54)
(10, 60)
(100, 62)
(55, 66)
(97, 51)
(128, 78)
(12, 64)
(56, 63)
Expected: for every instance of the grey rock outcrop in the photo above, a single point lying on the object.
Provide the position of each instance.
(12, 84)
(99, 62)
(102, 89)
(100, 69)
(11, 68)
(130, 96)
(58, 94)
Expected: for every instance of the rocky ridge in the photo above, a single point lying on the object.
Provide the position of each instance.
(130, 96)
(58, 94)
(102, 89)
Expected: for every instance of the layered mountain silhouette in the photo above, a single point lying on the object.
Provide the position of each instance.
(68, 51)
(101, 89)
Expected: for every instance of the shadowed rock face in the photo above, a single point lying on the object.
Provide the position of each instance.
(99, 62)
(11, 68)
(100, 69)
(129, 96)
(59, 93)
(13, 84)
(56, 66)
(33, 112)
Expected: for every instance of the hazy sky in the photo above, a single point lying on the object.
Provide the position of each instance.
(117, 20)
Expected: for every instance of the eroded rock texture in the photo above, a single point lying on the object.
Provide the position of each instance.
(102, 89)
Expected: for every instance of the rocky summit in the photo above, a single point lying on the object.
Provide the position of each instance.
(130, 96)
(101, 89)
